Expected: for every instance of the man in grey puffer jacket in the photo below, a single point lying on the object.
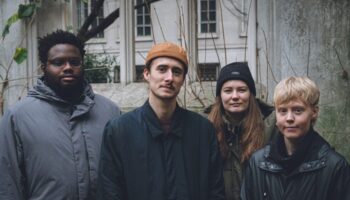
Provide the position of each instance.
(50, 141)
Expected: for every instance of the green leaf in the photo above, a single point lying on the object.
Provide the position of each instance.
(13, 19)
(20, 55)
(26, 10)
(5, 31)
(9, 22)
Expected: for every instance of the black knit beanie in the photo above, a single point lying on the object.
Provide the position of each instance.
(235, 71)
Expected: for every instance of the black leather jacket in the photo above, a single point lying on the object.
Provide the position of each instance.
(319, 173)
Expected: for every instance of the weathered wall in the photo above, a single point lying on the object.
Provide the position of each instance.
(9, 69)
(310, 38)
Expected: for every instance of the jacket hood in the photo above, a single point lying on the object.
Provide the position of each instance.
(42, 91)
(265, 108)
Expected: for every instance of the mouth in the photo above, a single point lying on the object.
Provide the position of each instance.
(68, 78)
(169, 87)
(290, 128)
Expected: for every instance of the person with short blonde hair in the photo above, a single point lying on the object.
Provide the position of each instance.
(294, 88)
(298, 163)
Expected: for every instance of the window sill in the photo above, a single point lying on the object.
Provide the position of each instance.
(243, 35)
(143, 39)
(207, 35)
(96, 41)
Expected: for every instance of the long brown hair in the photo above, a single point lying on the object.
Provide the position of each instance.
(252, 137)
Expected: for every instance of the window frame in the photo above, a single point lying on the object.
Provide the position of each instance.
(203, 66)
(144, 15)
(208, 21)
(83, 11)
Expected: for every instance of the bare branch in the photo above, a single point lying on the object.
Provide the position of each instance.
(90, 19)
(85, 34)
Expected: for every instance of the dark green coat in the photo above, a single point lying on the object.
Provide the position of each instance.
(132, 164)
(233, 168)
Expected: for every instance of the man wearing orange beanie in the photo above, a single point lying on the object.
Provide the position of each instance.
(161, 151)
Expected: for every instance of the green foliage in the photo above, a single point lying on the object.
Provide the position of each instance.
(20, 55)
(9, 22)
(97, 67)
(24, 11)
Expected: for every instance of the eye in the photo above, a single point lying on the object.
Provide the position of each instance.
(298, 110)
(162, 68)
(57, 62)
(281, 111)
(227, 90)
(242, 90)
(75, 62)
(177, 72)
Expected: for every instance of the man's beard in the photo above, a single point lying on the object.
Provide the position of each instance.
(71, 93)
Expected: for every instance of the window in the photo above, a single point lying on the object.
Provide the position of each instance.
(208, 16)
(139, 73)
(143, 19)
(208, 71)
(84, 10)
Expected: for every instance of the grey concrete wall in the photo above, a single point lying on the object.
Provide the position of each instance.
(310, 38)
(193, 96)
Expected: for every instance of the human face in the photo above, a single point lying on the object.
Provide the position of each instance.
(63, 71)
(295, 118)
(235, 97)
(165, 77)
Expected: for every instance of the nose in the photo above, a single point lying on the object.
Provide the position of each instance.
(169, 75)
(290, 117)
(235, 94)
(67, 67)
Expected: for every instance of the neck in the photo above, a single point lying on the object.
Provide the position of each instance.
(235, 118)
(164, 109)
(291, 145)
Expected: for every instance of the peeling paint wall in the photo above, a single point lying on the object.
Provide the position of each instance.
(310, 38)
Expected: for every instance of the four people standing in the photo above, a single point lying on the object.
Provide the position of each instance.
(50, 141)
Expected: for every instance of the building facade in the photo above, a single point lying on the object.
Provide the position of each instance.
(278, 38)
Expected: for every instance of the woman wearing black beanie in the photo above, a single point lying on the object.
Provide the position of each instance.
(243, 123)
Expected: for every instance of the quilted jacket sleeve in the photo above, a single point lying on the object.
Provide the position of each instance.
(11, 155)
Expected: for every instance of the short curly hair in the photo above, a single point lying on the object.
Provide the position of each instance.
(58, 37)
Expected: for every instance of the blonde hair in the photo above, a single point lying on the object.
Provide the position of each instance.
(292, 88)
(252, 136)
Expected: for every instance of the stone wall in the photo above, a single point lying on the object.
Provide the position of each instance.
(310, 38)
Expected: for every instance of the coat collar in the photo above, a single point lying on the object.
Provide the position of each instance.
(44, 92)
(314, 158)
(154, 125)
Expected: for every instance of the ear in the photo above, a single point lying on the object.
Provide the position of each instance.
(316, 110)
(146, 74)
(42, 67)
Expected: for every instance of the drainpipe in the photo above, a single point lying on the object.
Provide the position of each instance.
(127, 42)
(252, 38)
